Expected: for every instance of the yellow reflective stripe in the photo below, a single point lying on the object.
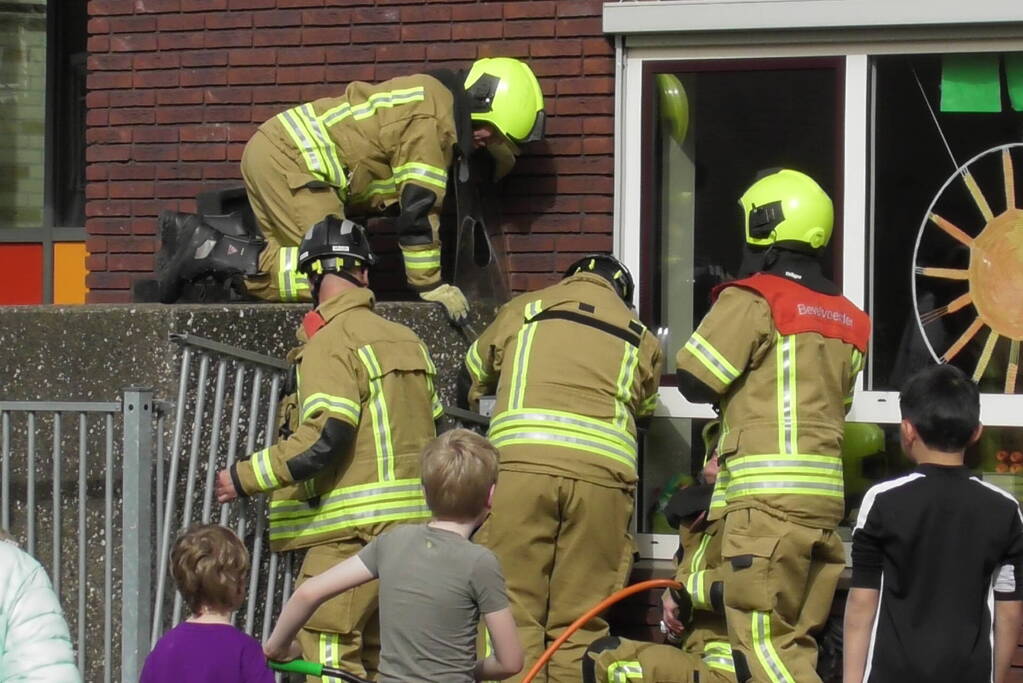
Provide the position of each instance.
(384, 186)
(649, 405)
(378, 410)
(336, 173)
(358, 493)
(474, 363)
(345, 506)
(373, 102)
(719, 496)
(539, 418)
(626, 376)
(290, 282)
(423, 259)
(551, 437)
(520, 365)
(857, 361)
(695, 584)
(718, 655)
(794, 484)
(766, 653)
(431, 370)
(291, 122)
(785, 358)
(745, 466)
(310, 136)
(424, 173)
(347, 408)
(711, 359)
(381, 512)
(621, 671)
(262, 468)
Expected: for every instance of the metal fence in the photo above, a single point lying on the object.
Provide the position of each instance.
(73, 492)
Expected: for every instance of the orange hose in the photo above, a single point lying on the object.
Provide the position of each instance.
(594, 611)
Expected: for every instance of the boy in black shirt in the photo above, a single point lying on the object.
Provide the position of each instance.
(937, 554)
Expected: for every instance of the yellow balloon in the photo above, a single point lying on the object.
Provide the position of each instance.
(674, 106)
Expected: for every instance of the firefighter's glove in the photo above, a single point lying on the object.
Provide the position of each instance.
(452, 299)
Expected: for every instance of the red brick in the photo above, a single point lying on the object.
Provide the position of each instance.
(528, 10)
(203, 5)
(240, 132)
(97, 44)
(132, 190)
(235, 151)
(130, 245)
(351, 72)
(225, 20)
(178, 189)
(589, 26)
(556, 48)
(156, 60)
(564, 146)
(107, 135)
(277, 36)
(179, 171)
(155, 79)
(142, 6)
(119, 25)
(302, 55)
(215, 39)
(99, 7)
(96, 262)
(97, 99)
(563, 125)
(145, 42)
(146, 207)
(529, 243)
(583, 184)
(203, 77)
(315, 91)
(94, 245)
(180, 22)
(180, 41)
(155, 134)
(326, 17)
(542, 28)
(95, 172)
(106, 281)
(349, 54)
(251, 4)
(132, 171)
(533, 263)
(528, 283)
(586, 86)
(178, 114)
(595, 165)
(108, 296)
(104, 80)
(157, 152)
(277, 19)
(130, 262)
(597, 223)
(593, 47)
(284, 94)
(446, 51)
(598, 66)
(262, 112)
(204, 58)
(227, 112)
(109, 62)
(131, 117)
(411, 15)
(96, 191)
(229, 95)
(426, 32)
(579, 8)
(252, 74)
(376, 34)
(260, 57)
(376, 15)
(603, 125)
(96, 117)
(471, 13)
(300, 74)
(108, 209)
(225, 171)
(203, 133)
(476, 31)
(98, 25)
(172, 97)
(564, 66)
(326, 36)
(598, 145)
(584, 105)
(300, 3)
(401, 53)
(147, 225)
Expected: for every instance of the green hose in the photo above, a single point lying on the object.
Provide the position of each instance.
(299, 666)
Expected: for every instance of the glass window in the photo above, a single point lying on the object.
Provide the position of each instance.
(711, 126)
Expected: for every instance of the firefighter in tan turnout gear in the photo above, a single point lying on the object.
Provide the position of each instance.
(376, 149)
(694, 616)
(779, 352)
(573, 369)
(347, 465)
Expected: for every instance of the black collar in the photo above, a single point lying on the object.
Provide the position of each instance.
(801, 268)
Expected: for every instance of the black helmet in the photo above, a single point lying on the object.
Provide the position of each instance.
(332, 245)
(611, 269)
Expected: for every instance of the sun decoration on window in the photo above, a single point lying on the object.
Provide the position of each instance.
(994, 278)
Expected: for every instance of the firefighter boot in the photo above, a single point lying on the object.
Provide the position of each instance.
(200, 250)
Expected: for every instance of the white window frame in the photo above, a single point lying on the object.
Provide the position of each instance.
(853, 30)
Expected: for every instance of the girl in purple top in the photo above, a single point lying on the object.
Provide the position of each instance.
(209, 565)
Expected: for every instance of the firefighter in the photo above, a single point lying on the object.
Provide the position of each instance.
(779, 352)
(693, 616)
(347, 464)
(377, 149)
(573, 369)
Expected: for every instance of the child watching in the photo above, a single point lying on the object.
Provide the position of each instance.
(209, 565)
(933, 551)
(434, 583)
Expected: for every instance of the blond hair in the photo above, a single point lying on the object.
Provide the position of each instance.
(459, 468)
(209, 564)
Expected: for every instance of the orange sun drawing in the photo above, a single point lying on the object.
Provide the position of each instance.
(994, 278)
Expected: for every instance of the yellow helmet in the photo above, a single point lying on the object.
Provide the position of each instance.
(787, 206)
(506, 94)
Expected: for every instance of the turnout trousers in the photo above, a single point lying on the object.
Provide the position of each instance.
(634, 661)
(286, 205)
(345, 631)
(779, 581)
(564, 546)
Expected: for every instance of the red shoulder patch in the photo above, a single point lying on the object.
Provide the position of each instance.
(312, 323)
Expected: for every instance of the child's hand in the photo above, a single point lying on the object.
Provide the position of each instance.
(283, 654)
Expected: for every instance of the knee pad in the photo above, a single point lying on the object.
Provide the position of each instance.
(589, 657)
(742, 671)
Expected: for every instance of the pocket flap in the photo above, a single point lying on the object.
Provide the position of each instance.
(734, 545)
(297, 179)
(398, 356)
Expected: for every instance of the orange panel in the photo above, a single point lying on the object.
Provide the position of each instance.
(21, 274)
(69, 273)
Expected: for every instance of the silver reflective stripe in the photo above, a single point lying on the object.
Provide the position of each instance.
(788, 393)
(344, 496)
(738, 489)
(765, 649)
(335, 172)
(589, 425)
(312, 525)
(737, 464)
(603, 446)
(308, 148)
(431, 256)
(708, 357)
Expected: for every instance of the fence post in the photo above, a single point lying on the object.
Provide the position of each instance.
(137, 530)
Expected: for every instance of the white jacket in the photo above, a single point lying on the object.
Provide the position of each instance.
(34, 641)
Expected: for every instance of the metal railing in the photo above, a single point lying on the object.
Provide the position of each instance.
(94, 503)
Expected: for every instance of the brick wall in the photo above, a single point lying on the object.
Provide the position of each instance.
(176, 87)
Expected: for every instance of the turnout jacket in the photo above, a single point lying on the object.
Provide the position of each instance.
(378, 145)
(573, 369)
(783, 359)
(373, 378)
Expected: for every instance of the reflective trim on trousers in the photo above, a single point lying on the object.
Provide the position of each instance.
(290, 282)
(378, 411)
(711, 359)
(718, 655)
(549, 438)
(349, 409)
(538, 417)
(330, 652)
(424, 173)
(766, 654)
(619, 672)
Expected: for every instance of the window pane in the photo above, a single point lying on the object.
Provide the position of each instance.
(952, 236)
(716, 125)
(22, 112)
(672, 457)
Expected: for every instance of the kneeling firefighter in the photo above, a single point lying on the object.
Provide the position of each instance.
(377, 149)
(779, 351)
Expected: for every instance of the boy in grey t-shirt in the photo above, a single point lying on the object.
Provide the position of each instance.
(434, 583)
